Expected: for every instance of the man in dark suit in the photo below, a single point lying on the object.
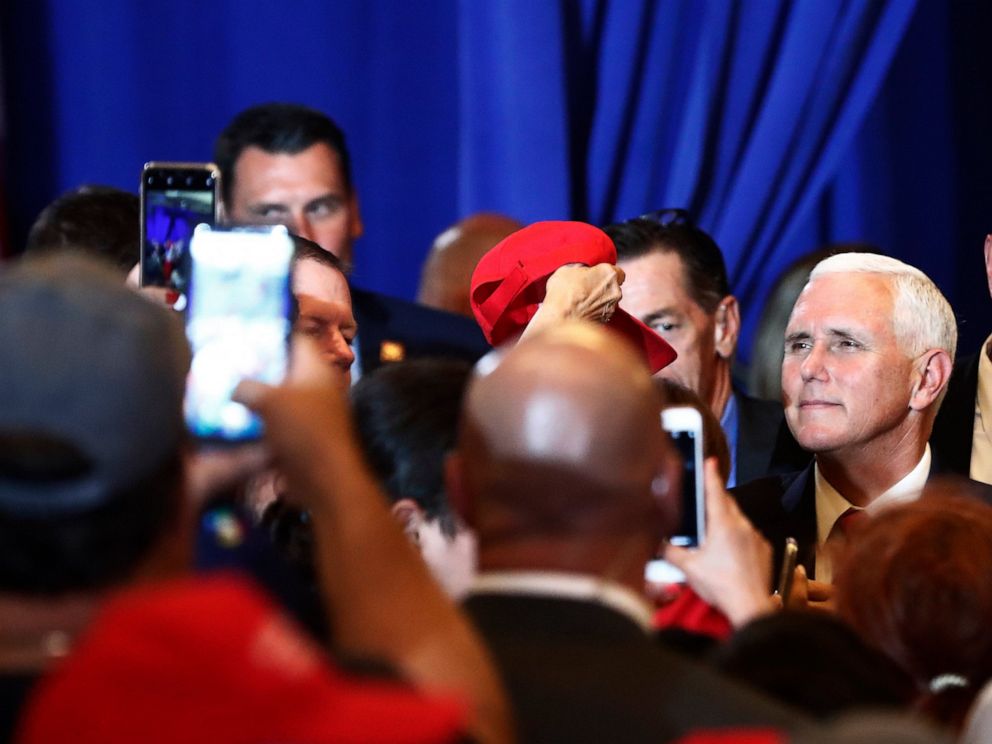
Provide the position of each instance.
(569, 482)
(283, 163)
(868, 353)
(962, 433)
(676, 283)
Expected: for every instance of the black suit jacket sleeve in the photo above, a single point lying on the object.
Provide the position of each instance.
(765, 446)
(955, 423)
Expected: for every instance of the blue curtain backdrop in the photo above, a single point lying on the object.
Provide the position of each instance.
(782, 124)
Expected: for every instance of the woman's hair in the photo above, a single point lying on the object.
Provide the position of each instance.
(915, 585)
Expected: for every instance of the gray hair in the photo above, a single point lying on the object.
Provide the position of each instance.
(922, 316)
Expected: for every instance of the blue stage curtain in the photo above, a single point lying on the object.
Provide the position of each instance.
(741, 110)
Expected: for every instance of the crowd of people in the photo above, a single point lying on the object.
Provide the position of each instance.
(443, 534)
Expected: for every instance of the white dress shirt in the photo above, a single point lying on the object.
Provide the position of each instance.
(830, 505)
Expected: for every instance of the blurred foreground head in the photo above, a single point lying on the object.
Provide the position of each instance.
(561, 444)
(915, 585)
(91, 428)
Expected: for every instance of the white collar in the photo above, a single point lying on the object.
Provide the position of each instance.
(562, 585)
(831, 504)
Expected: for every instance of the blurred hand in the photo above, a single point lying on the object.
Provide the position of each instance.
(732, 569)
(812, 595)
(302, 413)
(212, 471)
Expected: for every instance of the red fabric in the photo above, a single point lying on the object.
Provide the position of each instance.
(689, 612)
(735, 736)
(213, 661)
(509, 283)
(851, 522)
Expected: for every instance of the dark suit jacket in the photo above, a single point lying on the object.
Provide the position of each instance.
(955, 424)
(765, 446)
(387, 325)
(581, 672)
(785, 506)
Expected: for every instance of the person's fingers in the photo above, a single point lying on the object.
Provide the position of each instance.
(677, 556)
(797, 596)
(621, 275)
(819, 591)
(251, 393)
(713, 492)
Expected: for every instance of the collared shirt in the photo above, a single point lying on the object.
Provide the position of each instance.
(981, 440)
(730, 423)
(830, 505)
(561, 585)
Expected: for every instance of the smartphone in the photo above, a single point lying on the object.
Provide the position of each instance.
(175, 198)
(237, 323)
(685, 426)
(788, 571)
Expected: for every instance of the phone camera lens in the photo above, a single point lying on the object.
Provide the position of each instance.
(210, 181)
(169, 180)
(150, 180)
(189, 180)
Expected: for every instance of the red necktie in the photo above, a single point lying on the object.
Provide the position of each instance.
(850, 523)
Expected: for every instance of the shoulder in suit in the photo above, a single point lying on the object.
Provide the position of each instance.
(765, 446)
(578, 671)
(390, 329)
(955, 422)
(783, 506)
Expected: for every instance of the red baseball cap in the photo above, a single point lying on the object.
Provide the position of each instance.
(510, 281)
(213, 661)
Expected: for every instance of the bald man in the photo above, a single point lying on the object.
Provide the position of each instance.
(565, 474)
(447, 274)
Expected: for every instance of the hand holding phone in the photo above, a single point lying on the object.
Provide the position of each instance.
(175, 198)
(237, 323)
(685, 426)
(733, 569)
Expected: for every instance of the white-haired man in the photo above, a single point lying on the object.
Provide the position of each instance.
(868, 352)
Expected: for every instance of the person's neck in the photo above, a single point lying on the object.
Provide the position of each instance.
(622, 563)
(862, 474)
(723, 388)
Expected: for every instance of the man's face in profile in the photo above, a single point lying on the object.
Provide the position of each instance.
(305, 191)
(325, 312)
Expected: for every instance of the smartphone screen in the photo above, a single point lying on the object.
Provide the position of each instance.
(688, 532)
(237, 323)
(176, 197)
(685, 427)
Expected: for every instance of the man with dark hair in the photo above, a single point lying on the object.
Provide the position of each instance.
(323, 303)
(407, 420)
(676, 282)
(284, 163)
(99, 220)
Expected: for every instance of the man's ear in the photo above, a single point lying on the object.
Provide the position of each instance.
(727, 328)
(410, 516)
(933, 370)
(988, 261)
(356, 227)
(454, 484)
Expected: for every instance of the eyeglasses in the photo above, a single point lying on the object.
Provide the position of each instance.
(668, 217)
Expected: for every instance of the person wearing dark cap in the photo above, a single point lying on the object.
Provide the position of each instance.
(677, 284)
(565, 474)
(96, 500)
